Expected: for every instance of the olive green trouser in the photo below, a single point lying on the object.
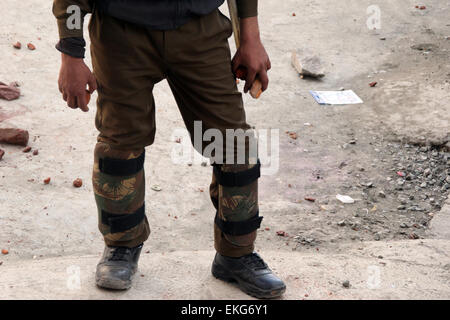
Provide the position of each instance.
(195, 59)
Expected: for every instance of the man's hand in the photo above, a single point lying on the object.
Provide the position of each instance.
(74, 77)
(252, 55)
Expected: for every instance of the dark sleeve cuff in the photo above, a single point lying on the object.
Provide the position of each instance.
(74, 47)
(247, 8)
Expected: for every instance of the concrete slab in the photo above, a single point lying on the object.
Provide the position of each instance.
(407, 270)
(440, 225)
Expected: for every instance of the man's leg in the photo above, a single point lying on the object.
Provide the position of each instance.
(237, 205)
(200, 76)
(119, 188)
(126, 65)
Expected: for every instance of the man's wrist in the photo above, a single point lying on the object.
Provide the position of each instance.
(65, 58)
(250, 30)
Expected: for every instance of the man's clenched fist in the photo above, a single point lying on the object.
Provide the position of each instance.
(74, 78)
(252, 55)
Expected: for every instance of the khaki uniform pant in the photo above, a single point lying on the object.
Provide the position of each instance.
(195, 59)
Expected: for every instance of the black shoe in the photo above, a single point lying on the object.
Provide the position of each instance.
(117, 267)
(251, 273)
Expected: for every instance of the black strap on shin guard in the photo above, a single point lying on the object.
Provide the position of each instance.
(123, 222)
(237, 179)
(118, 167)
(239, 228)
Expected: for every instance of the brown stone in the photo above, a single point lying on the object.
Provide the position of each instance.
(47, 181)
(27, 149)
(9, 92)
(31, 46)
(17, 45)
(78, 183)
(14, 136)
(293, 135)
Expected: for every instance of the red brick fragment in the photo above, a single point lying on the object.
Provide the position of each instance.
(14, 136)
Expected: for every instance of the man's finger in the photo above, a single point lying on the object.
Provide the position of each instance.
(251, 75)
(236, 63)
(65, 96)
(72, 102)
(60, 87)
(92, 84)
(264, 79)
(81, 103)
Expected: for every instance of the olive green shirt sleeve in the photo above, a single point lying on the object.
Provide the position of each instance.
(247, 8)
(70, 16)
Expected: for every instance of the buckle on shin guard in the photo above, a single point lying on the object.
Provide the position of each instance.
(237, 179)
(123, 222)
(118, 167)
(239, 228)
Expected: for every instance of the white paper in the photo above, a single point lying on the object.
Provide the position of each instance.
(345, 199)
(336, 97)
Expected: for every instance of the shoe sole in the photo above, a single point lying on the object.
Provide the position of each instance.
(221, 274)
(113, 284)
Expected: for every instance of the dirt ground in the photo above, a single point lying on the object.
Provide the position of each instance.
(391, 153)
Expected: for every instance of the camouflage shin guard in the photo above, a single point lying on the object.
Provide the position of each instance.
(234, 204)
(119, 188)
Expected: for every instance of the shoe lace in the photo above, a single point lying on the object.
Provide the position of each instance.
(119, 254)
(255, 262)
